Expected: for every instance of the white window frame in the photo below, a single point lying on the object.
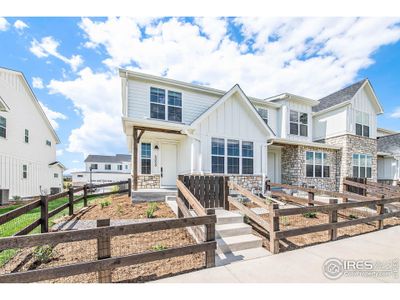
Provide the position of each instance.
(359, 164)
(151, 158)
(48, 143)
(324, 156)
(226, 155)
(259, 109)
(105, 167)
(166, 104)
(24, 171)
(172, 105)
(26, 136)
(4, 127)
(97, 166)
(299, 123)
(364, 117)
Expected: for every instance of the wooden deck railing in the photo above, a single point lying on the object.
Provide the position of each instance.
(44, 201)
(105, 262)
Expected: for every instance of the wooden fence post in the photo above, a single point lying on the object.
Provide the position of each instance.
(180, 195)
(311, 198)
(71, 201)
(104, 251)
(129, 187)
(274, 227)
(226, 192)
(345, 190)
(85, 192)
(44, 214)
(333, 219)
(380, 209)
(209, 237)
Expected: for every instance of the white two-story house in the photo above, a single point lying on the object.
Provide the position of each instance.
(173, 127)
(102, 169)
(28, 163)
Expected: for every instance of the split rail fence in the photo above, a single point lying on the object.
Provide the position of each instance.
(74, 195)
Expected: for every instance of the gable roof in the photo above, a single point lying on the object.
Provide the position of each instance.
(35, 101)
(3, 105)
(339, 97)
(118, 158)
(57, 163)
(389, 144)
(235, 89)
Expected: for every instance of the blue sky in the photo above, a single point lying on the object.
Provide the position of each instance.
(72, 63)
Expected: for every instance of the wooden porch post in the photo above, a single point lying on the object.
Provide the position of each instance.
(135, 159)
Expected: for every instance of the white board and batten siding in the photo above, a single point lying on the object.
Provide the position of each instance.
(14, 152)
(194, 103)
(231, 120)
(287, 106)
(331, 123)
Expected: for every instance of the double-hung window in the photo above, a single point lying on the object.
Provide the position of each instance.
(317, 164)
(157, 103)
(3, 127)
(362, 166)
(264, 114)
(298, 123)
(174, 106)
(161, 109)
(217, 155)
(247, 158)
(233, 156)
(107, 167)
(24, 171)
(362, 124)
(94, 166)
(146, 158)
(26, 136)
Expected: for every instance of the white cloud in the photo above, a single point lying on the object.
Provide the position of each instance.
(53, 116)
(97, 97)
(59, 152)
(75, 161)
(20, 25)
(48, 46)
(396, 113)
(4, 25)
(37, 83)
(308, 56)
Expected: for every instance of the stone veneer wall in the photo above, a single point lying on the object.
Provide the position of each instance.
(148, 181)
(294, 167)
(354, 144)
(249, 182)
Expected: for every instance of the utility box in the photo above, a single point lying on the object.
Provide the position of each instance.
(4, 196)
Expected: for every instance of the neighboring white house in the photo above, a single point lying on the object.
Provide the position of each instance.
(183, 128)
(102, 169)
(28, 163)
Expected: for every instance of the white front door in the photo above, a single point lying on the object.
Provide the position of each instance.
(168, 165)
(271, 166)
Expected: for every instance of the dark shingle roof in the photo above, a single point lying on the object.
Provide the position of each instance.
(389, 144)
(338, 97)
(118, 158)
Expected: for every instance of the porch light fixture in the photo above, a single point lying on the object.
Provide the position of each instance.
(156, 148)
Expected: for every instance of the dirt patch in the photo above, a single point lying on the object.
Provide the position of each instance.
(118, 208)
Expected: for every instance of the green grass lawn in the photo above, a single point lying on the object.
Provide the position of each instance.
(12, 227)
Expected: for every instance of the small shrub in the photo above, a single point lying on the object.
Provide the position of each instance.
(310, 215)
(115, 188)
(120, 209)
(352, 217)
(105, 204)
(285, 221)
(43, 254)
(16, 198)
(151, 209)
(158, 247)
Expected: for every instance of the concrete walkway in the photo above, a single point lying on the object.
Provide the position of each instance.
(305, 265)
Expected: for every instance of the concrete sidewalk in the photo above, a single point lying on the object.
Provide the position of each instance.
(305, 265)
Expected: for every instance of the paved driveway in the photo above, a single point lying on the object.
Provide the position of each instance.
(306, 265)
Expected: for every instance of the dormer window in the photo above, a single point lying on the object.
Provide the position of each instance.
(264, 114)
(362, 124)
(298, 123)
(159, 109)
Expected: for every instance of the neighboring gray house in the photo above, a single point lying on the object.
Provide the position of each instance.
(389, 157)
(174, 127)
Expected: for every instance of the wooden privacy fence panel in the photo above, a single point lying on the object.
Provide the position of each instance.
(106, 262)
(210, 191)
(43, 204)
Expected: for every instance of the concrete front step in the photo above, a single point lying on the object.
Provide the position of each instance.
(228, 217)
(235, 229)
(237, 243)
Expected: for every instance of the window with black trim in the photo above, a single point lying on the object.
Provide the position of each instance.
(362, 123)
(217, 155)
(317, 164)
(233, 156)
(362, 165)
(247, 158)
(146, 158)
(3, 127)
(298, 123)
